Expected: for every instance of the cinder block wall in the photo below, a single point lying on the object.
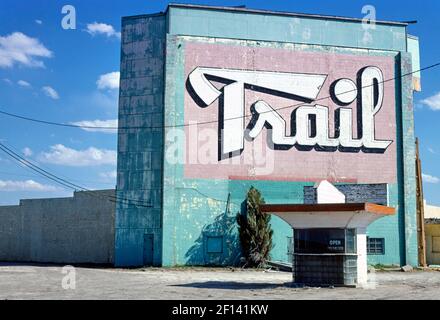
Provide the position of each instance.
(63, 230)
(140, 150)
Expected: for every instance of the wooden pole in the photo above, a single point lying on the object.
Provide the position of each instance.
(420, 210)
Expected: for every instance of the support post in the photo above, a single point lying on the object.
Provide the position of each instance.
(420, 210)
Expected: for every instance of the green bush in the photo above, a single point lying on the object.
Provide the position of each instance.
(255, 231)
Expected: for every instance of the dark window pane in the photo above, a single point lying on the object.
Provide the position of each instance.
(350, 241)
(319, 241)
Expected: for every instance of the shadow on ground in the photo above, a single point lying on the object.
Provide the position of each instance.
(231, 285)
(56, 264)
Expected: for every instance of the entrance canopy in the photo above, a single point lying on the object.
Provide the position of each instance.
(338, 215)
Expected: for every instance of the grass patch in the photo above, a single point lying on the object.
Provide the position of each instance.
(385, 267)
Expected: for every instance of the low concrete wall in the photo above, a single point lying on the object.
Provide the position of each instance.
(63, 230)
(431, 212)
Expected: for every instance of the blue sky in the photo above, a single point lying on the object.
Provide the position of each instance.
(69, 76)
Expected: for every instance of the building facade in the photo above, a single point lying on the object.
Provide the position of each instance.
(216, 100)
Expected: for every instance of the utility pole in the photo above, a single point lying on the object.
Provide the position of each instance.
(420, 210)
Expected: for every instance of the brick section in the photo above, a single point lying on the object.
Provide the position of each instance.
(354, 193)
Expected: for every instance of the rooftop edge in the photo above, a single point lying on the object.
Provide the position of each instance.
(266, 12)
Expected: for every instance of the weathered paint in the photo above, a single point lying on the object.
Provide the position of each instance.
(251, 26)
(287, 164)
(409, 168)
(189, 210)
(140, 151)
(413, 48)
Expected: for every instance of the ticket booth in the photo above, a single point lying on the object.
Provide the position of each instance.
(330, 242)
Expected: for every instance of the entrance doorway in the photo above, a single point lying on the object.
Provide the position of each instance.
(148, 249)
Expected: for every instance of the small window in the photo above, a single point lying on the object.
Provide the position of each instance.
(436, 244)
(376, 246)
(214, 244)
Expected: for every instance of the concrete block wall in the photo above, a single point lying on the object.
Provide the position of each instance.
(64, 230)
(140, 150)
(407, 159)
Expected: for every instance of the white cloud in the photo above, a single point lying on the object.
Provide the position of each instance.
(107, 99)
(98, 123)
(108, 175)
(27, 152)
(430, 179)
(50, 92)
(431, 150)
(7, 81)
(102, 28)
(61, 155)
(18, 48)
(432, 102)
(37, 21)
(23, 83)
(28, 185)
(108, 81)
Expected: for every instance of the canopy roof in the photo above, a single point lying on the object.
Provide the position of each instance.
(338, 215)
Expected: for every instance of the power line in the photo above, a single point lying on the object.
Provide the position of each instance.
(64, 182)
(32, 175)
(75, 187)
(34, 167)
(206, 196)
(54, 172)
(70, 125)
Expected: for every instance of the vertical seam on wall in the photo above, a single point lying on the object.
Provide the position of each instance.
(400, 161)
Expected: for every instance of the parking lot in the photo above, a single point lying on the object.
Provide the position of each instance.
(49, 282)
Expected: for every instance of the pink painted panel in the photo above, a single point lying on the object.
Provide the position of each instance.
(256, 162)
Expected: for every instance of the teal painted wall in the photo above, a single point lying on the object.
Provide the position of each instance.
(185, 212)
(252, 26)
(140, 150)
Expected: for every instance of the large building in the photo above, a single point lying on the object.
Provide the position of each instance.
(214, 100)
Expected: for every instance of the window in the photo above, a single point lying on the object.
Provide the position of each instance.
(350, 241)
(214, 244)
(320, 240)
(375, 246)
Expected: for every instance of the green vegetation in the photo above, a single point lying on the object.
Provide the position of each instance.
(255, 231)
